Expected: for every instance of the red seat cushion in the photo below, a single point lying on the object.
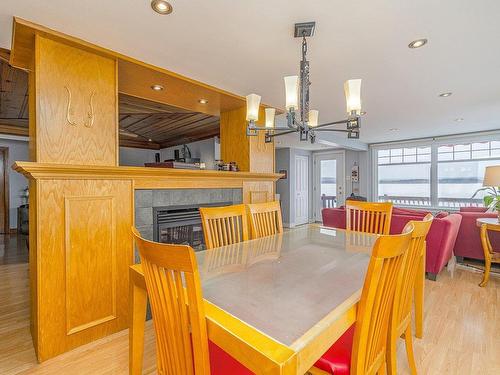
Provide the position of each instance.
(222, 363)
(337, 359)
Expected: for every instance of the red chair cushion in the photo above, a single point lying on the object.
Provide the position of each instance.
(337, 359)
(222, 363)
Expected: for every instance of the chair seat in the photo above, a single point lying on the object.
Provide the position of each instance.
(337, 359)
(222, 363)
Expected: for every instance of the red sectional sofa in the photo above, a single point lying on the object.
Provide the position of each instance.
(440, 240)
(468, 243)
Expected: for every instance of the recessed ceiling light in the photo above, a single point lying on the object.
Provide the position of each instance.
(445, 94)
(161, 6)
(459, 119)
(203, 101)
(363, 113)
(150, 140)
(418, 43)
(393, 129)
(157, 87)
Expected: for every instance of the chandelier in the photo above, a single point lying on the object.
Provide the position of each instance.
(299, 117)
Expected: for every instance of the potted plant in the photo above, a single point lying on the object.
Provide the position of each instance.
(491, 198)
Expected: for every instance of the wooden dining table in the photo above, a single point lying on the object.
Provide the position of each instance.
(277, 303)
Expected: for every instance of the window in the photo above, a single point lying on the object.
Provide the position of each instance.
(438, 174)
(404, 176)
(461, 171)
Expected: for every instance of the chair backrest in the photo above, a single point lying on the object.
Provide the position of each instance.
(177, 307)
(224, 225)
(377, 302)
(265, 219)
(405, 292)
(368, 217)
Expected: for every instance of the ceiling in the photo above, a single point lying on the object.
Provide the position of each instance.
(246, 47)
(143, 123)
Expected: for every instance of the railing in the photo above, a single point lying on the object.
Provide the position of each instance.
(329, 201)
(426, 201)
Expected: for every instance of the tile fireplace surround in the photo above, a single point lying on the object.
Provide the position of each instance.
(145, 200)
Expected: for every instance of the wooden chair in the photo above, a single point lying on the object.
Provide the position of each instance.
(265, 219)
(490, 256)
(368, 217)
(362, 348)
(224, 225)
(182, 345)
(401, 317)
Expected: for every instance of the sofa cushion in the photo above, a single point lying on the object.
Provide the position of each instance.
(441, 214)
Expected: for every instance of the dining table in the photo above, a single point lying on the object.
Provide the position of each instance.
(276, 303)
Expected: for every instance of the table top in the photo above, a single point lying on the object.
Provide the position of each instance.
(488, 220)
(286, 285)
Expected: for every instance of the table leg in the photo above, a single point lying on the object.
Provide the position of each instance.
(487, 255)
(419, 296)
(138, 303)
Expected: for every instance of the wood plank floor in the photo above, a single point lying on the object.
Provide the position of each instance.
(462, 328)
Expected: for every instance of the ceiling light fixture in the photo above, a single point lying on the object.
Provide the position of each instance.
(161, 6)
(393, 129)
(300, 118)
(417, 43)
(459, 119)
(203, 101)
(445, 94)
(157, 87)
(363, 113)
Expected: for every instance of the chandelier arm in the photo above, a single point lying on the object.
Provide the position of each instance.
(333, 130)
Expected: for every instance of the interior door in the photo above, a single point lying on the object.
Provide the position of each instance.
(328, 182)
(301, 189)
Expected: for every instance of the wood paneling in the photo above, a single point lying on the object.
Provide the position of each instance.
(82, 261)
(95, 215)
(250, 153)
(91, 80)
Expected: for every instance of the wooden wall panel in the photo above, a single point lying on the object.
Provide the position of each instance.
(90, 81)
(89, 230)
(82, 261)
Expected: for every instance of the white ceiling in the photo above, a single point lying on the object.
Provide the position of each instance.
(247, 46)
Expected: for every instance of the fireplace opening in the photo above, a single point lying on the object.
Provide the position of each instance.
(181, 225)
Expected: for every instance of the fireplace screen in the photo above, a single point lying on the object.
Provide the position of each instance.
(180, 225)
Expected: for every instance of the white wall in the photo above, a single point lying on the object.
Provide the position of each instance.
(136, 157)
(18, 151)
(208, 150)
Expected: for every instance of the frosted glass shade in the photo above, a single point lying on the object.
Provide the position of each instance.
(352, 89)
(313, 118)
(253, 104)
(291, 92)
(492, 176)
(270, 113)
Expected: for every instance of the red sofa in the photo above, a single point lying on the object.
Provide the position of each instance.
(468, 243)
(440, 240)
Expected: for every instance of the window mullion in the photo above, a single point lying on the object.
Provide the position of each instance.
(434, 176)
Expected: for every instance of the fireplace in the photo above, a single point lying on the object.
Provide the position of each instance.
(180, 224)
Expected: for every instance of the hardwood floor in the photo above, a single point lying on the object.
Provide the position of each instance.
(461, 332)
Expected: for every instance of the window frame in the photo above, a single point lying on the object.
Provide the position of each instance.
(434, 144)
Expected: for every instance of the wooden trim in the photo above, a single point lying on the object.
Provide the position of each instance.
(5, 151)
(139, 144)
(56, 171)
(4, 54)
(13, 130)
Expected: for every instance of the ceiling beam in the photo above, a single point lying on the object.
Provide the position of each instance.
(13, 129)
(4, 54)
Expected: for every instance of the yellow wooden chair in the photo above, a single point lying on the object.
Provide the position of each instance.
(174, 291)
(265, 219)
(401, 317)
(368, 217)
(224, 225)
(361, 350)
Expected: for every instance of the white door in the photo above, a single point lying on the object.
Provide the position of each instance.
(328, 181)
(301, 190)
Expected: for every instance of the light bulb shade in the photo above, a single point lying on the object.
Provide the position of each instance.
(352, 89)
(291, 92)
(492, 176)
(313, 118)
(253, 104)
(270, 113)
